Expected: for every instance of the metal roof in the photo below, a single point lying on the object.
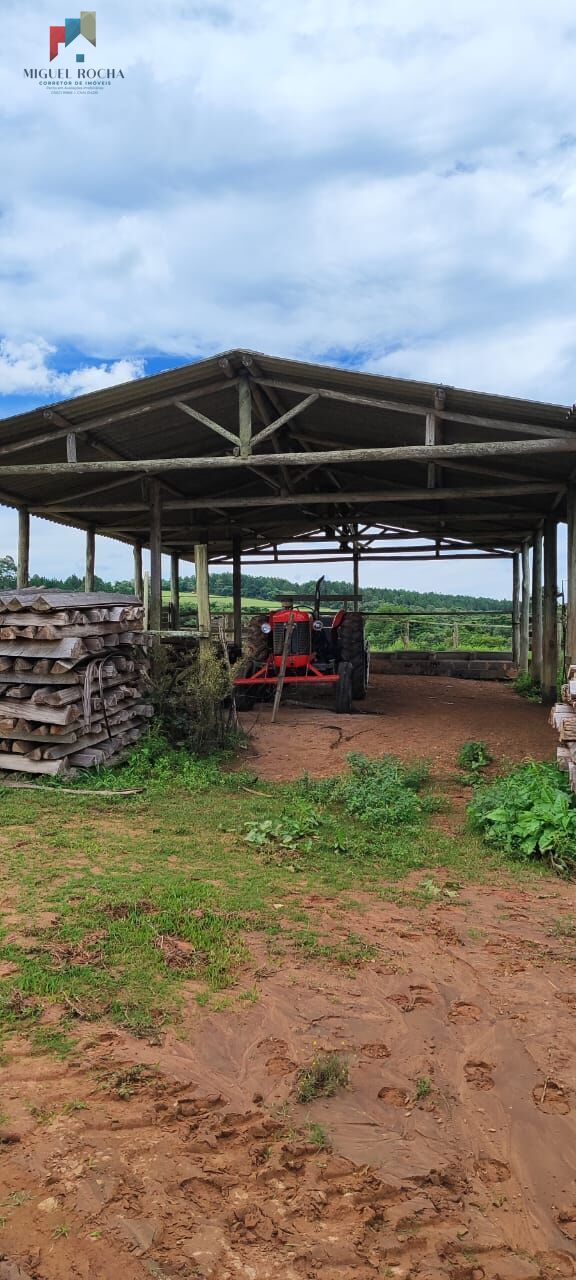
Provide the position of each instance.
(503, 497)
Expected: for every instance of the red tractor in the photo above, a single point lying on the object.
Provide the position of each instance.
(322, 650)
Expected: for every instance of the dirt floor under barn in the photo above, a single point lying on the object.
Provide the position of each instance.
(450, 1153)
(427, 717)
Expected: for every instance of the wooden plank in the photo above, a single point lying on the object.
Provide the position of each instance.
(47, 715)
(45, 599)
(70, 647)
(23, 765)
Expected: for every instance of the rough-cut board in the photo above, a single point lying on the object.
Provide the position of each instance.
(69, 647)
(45, 600)
(48, 715)
(32, 766)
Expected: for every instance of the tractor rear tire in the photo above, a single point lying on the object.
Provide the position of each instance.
(353, 650)
(344, 689)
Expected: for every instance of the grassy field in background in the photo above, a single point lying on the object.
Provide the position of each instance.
(223, 603)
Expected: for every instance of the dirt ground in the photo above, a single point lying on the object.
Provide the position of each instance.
(450, 1155)
(429, 717)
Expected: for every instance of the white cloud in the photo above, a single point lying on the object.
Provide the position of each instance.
(338, 179)
(25, 371)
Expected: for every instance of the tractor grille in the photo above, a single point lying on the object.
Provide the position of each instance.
(300, 638)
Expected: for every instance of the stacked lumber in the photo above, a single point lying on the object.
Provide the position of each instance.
(563, 718)
(73, 679)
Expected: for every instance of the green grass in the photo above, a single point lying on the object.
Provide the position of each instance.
(124, 878)
(326, 1074)
(224, 604)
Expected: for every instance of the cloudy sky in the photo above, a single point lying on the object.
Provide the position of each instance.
(369, 183)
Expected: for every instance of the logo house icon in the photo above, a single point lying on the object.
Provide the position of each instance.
(85, 26)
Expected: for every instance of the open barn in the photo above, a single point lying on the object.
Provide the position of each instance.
(250, 459)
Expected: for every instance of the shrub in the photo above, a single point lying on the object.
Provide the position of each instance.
(191, 692)
(529, 813)
(528, 688)
(384, 792)
(474, 756)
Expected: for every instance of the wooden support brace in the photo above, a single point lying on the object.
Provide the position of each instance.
(550, 611)
(23, 572)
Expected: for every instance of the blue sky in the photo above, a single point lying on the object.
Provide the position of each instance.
(391, 187)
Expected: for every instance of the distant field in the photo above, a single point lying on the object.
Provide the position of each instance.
(223, 603)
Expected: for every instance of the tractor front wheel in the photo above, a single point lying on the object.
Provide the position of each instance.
(344, 689)
(353, 650)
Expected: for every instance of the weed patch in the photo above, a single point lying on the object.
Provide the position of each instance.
(530, 813)
(528, 688)
(326, 1074)
(473, 757)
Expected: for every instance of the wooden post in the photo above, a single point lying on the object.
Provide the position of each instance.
(202, 594)
(571, 574)
(237, 589)
(175, 590)
(138, 579)
(90, 559)
(23, 547)
(516, 608)
(356, 571)
(245, 415)
(146, 600)
(549, 618)
(525, 610)
(155, 620)
(283, 665)
(536, 667)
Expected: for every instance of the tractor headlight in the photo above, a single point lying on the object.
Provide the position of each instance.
(317, 625)
(266, 628)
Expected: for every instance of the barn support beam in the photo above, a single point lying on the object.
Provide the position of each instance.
(244, 418)
(571, 574)
(138, 576)
(203, 594)
(516, 608)
(90, 559)
(175, 589)
(536, 667)
(439, 453)
(356, 579)
(524, 654)
(549, 615)
(155, 613)
(23, 567)
(237, 589)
